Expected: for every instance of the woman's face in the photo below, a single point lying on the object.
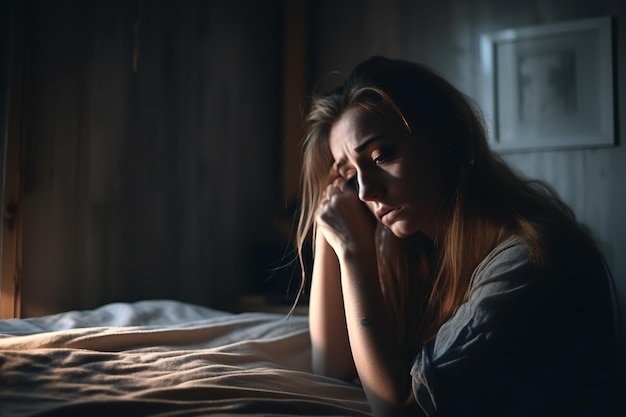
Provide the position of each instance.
(398, 173)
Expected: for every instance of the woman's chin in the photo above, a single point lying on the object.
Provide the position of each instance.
(400, 230)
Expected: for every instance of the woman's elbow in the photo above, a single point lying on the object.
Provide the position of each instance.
(396, 407)
(333, 368)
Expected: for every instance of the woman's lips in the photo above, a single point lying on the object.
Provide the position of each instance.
(388, 216)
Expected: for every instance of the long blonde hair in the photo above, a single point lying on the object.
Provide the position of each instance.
(424, 282)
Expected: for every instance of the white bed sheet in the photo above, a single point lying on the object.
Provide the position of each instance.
(165, 358)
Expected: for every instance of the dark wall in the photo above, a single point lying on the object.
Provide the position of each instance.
(152, 150)
(6, 11)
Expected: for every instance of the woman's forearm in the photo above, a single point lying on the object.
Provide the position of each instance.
(380, 361)
(331, 354)
(350, 329)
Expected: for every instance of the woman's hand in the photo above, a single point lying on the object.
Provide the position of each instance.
(344, 220)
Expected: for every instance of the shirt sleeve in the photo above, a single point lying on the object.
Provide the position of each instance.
(467, 347)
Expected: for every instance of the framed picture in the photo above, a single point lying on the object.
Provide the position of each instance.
(548, 87)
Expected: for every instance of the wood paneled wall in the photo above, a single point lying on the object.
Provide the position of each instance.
(153, 161)
(445, 35)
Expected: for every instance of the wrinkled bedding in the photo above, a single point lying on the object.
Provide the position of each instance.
(165, 358)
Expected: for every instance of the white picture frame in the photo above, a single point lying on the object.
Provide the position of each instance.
(550, 86)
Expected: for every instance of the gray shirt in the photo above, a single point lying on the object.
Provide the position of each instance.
(528, 341)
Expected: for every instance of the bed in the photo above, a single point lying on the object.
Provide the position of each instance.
(165, 358)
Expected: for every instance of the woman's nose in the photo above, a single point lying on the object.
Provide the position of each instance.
(369, 186)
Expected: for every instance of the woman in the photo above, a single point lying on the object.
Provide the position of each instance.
(446, 283)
